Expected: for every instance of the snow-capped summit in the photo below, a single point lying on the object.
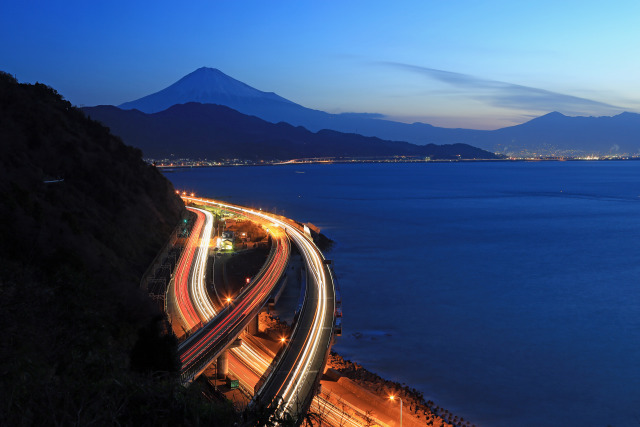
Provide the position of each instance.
(207, 86)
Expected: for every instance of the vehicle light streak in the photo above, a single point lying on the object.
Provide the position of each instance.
(238, 311)
(248, 353)
(246, 304)
(317, 341)
(311, 343)
(199, 293)
(181, 277)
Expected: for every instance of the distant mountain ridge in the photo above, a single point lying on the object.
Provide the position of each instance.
(604, 135)
(216, 132)
(552, 133)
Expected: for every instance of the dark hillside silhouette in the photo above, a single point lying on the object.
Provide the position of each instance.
(551, 133)
(82, 217)
(215, 132)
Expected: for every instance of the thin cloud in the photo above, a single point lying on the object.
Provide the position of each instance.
(509, 95)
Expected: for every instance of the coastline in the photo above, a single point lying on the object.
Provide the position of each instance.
(425, 411)
(185, 164)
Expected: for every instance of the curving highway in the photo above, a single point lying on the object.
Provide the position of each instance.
(206, 343)
(293, 381)
(198, 289)
(182, 274)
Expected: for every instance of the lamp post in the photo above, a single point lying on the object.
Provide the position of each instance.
(392, 397)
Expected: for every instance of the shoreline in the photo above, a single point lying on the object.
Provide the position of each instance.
(358, 384)
(416, 408)
(413, 399)
(189, 164)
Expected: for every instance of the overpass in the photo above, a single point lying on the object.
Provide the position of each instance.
(220, 331)
(293, 381)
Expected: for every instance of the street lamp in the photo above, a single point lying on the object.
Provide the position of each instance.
(392, 397)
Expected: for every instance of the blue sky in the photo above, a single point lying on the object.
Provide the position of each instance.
(475, 64)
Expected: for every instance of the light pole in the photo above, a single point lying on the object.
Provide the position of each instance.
(392, 397)
(215, 378)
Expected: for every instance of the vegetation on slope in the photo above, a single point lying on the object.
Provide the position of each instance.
(81, 217)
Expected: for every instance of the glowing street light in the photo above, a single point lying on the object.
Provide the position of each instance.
(392, 397)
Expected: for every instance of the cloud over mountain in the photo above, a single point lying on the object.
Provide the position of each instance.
(550, 134)
(509, 95)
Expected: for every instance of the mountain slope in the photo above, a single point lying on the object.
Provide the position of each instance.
(217, 132)
(207, 86)
(606, 135)
(82, 217)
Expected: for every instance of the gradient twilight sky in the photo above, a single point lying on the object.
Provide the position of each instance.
(456, 63)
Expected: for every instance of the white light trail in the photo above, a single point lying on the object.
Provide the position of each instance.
(200, 295)
(316, 267)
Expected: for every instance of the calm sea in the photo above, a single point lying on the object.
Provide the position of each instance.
(507, 292)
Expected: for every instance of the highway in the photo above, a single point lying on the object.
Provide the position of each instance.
(182, 274)
(252, 359)
(197, 288)
(206, 343)
(248, 361)
(293, 381)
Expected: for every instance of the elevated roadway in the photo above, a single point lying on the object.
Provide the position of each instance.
(293, 381)
(180, 293)
(219, 332)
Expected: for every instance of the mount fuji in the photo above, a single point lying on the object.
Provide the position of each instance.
(212, 86)
(550, 134)
(207, 86)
